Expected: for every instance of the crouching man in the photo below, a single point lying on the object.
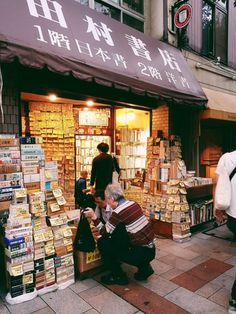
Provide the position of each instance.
(126, 237)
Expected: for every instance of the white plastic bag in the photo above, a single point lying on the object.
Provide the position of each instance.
(115, 177)
(223, 191)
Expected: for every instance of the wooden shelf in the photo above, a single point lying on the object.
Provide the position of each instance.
(199, 192)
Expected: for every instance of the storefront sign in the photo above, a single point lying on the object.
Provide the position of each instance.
(183, 15)
(71, 38)
(94, 118)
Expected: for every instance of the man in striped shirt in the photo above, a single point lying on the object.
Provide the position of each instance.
(134, 247)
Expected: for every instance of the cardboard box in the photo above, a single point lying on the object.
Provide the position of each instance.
(87, 261)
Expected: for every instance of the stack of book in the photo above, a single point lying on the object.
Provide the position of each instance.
(10, 172)
(62, 236)
(19, 248)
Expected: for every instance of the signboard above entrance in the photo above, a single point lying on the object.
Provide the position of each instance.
(71, 38)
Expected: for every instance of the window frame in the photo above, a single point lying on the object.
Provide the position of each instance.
(123, 10)
(216, 6)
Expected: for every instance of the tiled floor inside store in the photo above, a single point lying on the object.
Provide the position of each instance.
(191, 277)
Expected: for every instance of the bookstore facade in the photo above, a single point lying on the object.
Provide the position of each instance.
(72, 78)
(105, 63)
(135, 84)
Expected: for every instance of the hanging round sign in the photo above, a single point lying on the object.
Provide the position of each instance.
(183, 15)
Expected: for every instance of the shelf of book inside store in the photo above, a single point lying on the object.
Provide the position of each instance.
(200, 205)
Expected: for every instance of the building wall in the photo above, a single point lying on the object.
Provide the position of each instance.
(232, 36)
(10, 100)
(154, 18)
(194, 28)
(160, 120)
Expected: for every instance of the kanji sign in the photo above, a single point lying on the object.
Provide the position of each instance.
(71, 38)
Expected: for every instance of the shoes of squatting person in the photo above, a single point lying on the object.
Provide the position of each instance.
(144, 273)
(232, 306)
(112, 279)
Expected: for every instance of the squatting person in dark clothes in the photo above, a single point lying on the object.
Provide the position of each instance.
(137, 249)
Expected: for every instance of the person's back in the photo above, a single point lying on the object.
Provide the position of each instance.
(102, 168)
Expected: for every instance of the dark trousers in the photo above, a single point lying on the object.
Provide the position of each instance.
(233, 292)
(138, 256)
(231, 224)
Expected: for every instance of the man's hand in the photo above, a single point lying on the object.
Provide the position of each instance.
(96, 234)
(220, 215)
(89, 213)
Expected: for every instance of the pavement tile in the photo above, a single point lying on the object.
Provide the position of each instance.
(160, 243)
(3, 309)
(194, 303)
(27, 307)
(200, 259)
(209, 270)
(219, 255)
(159, 267)
(231, 261)
(159, 285)
(178, 251)
(172, 273)
(145, 300)
(189, 281)
(208, 289)
(177, 262)
(82, 285)
(221, 297)
(202, 236)
(231, 272)
(65, 302)
(217, 265)
(160, 253)
(92, 311)
(225, 281)
(202, 250)
(46, 310)
(99, 297)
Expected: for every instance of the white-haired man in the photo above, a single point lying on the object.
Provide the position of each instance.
(136, 247)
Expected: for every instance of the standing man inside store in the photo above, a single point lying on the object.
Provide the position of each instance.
(228, 162)
(102, 168)
(126, 237)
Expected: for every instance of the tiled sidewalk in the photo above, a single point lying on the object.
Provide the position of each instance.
(191, 277)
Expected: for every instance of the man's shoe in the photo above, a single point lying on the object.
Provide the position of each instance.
(143, 274)
(232, 306)
(111, 279)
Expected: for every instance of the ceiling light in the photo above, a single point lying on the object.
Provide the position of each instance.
(52, 97)
(89, 103)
